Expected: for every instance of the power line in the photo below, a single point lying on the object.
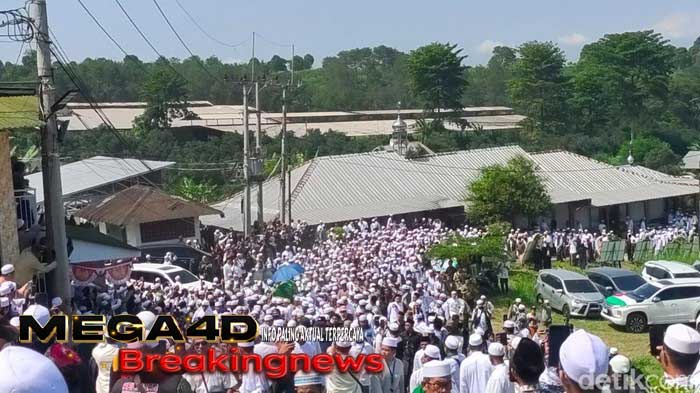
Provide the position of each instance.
(194, 21)
(97, 22)
(269, 41)
(179, 38)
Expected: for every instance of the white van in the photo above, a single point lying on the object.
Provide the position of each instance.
(664, 270)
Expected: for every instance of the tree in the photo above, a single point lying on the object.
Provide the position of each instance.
(436, 76)
(633, 69)
(277, 64)
(650, 152)
(538, 86)
(165, 94)
(502, 193)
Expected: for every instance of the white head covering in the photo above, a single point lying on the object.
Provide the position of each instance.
(452, 342)
(311, 378)
(39, 312)
(7, 269)
(432, 351)
(390, 342)
(23, 370)
(584, 357)
(475, 340)
(437, 369)
(682, 338)
(497, 349)
(620, 364)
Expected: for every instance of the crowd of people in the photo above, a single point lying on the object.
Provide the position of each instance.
(370, 275)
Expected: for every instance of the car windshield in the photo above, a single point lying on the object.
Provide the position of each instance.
(644, 292)
(580, 286)
(185, 276)
(629, 283)
(687, 275)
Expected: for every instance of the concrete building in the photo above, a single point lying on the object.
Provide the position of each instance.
(584, 191)
(144, 216)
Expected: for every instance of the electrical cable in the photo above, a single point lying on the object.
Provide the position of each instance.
(194, 21)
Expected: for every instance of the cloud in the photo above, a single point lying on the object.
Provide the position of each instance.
(573, 39)
(679, 25)
(487, 46)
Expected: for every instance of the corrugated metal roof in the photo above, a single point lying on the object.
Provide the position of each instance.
(692, 160)
(81, 176)
(340, 188)
(139, 204)
(19, 112)
(570, 176)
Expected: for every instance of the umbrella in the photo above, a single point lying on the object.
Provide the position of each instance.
(285, 273)
(296, 267)
(286, 289)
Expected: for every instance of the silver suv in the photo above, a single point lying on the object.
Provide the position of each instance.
(569, 292)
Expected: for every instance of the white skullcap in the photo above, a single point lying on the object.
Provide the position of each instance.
(343, 344)
(39, 312)
(475, 340)
(362, 318)
(497, 349)
(620, 364)
(479, 302)
(431, 318)
(393, 326)
(521, 307)
(613, 351)
(246, 344)
(508, 324)
(518, 300)
(483, 297)
(683, 339)
(278, 323)
(23, 370)
(14, 322)
(390, 342)
(56, 302)
(302, 378)
(432, 351)
(7, 269)
(148, 319)
(515, 341)
(584, 357)
(437, 369)
(452, 342)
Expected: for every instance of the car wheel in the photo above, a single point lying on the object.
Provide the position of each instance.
(565, 311)
(636, 323)
(539, 299)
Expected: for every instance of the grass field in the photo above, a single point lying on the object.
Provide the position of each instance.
(635, 346)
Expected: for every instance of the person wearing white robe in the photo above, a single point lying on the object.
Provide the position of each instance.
(476, 369)
(454, 357)
(392, 379)
(430, 353)
(499, 381)
(342, 382)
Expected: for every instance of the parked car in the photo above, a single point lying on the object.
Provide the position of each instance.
(654, 303)
(612, 281)
(569, 292)
(187, 257)
(167, 274)
(663, 270)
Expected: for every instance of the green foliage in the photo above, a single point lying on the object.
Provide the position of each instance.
(202, 192)
(468, 250)
(437, 77)
(489, 85)
(650, 152)
(503, 192)
(538, 86)
(165, 95)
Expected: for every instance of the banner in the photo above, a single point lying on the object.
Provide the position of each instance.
(117, 272)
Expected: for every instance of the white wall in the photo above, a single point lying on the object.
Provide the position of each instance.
(89, 252)
(133, 235)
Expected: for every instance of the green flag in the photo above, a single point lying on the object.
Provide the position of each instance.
(286, 289)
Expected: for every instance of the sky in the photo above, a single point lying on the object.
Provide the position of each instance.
(325, 27)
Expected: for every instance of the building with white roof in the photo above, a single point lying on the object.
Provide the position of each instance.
(347, 187)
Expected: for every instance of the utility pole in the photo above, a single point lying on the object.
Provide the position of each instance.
(252, 61)
(258, 153)
(283, 156)
(246, 163)
(51, 164)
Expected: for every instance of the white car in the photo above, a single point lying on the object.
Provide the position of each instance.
(663, 270)
(167, 274)
(655, 303)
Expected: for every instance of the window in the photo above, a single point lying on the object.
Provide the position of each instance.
(689, 292)
(556, 283)
(167, 230)
(657, 273)
(185, 276)
(600, 280)
(687, 275)
(670, 294)
(629, 283)
(644, 292)
(580, 286)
